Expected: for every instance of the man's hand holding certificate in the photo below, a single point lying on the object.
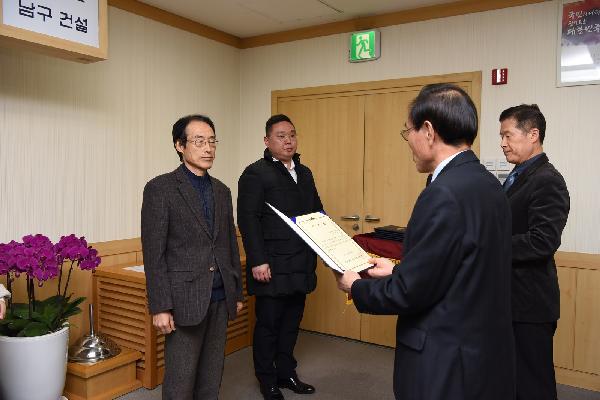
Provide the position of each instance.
(382, 267)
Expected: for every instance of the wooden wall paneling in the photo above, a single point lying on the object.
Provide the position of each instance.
(116, 259)
(123, 246)
(564, 338)
(577, 260)
(587, 322)
(578, 379)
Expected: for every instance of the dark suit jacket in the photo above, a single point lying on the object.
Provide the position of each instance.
(179, 251)
(451, 291)
(267, 239)
(539, 200)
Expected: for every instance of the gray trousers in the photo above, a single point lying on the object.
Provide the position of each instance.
(194, 357)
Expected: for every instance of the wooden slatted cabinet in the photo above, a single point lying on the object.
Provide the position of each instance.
(122, 314)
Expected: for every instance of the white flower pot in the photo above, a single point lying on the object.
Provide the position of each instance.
(33, 368)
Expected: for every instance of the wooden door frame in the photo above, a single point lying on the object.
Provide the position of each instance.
(471, 79)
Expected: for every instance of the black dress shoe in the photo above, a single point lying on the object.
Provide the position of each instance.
(271, 392)
(296, 385)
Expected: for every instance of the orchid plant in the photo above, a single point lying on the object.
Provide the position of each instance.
(38, 259)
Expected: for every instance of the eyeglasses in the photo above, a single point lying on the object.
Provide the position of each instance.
(404, 132)
(201, 142)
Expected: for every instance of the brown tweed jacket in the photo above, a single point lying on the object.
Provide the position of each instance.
(180, 253)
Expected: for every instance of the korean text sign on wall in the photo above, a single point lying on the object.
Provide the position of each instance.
(73, 20)
(578, 42)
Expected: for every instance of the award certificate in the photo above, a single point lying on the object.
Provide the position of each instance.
(328, 240)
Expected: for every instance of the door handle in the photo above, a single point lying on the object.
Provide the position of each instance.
(351, 217)
(372, 218)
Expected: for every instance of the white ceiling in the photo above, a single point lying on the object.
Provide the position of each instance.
(246, 18)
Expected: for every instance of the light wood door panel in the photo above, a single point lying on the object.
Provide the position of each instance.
(330, 141)
(587, 323)
(392, 184)
(565, 332)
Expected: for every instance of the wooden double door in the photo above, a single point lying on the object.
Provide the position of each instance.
(349, 135)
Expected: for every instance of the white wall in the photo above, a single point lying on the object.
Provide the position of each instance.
(523, 39)
(78, 142)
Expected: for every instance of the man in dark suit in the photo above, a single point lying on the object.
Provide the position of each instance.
(281, 267)
(539, 200)
(192, 263)
(452, 289)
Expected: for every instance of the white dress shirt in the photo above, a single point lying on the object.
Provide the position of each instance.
(441, 165)
(291, 169)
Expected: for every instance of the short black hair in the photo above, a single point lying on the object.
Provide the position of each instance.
(450, 111)
(275, 119)
(528, 116)
(182, 123)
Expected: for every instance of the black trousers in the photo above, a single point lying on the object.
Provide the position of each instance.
(535, 365)
(275, 334)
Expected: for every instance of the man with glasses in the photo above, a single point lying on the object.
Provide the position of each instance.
(451, 291)
(539, 201)
(280, 266)
(192, 263)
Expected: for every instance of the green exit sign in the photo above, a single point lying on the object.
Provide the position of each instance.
(365, 46)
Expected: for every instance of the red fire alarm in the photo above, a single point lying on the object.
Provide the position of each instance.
(499, 76)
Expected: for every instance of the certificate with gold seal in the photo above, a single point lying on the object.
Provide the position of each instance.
(328, 240)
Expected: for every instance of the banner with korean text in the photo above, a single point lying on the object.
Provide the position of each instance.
(578, 50)
(72, 29)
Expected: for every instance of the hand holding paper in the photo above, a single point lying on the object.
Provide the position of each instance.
(382, 267)
(345, 280)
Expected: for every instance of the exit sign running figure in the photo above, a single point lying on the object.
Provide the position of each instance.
(365, 46)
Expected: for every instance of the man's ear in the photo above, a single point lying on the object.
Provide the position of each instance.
(179, 146)
(534, 135)
(429, 131)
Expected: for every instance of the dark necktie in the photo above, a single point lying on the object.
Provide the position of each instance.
(510, 180)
